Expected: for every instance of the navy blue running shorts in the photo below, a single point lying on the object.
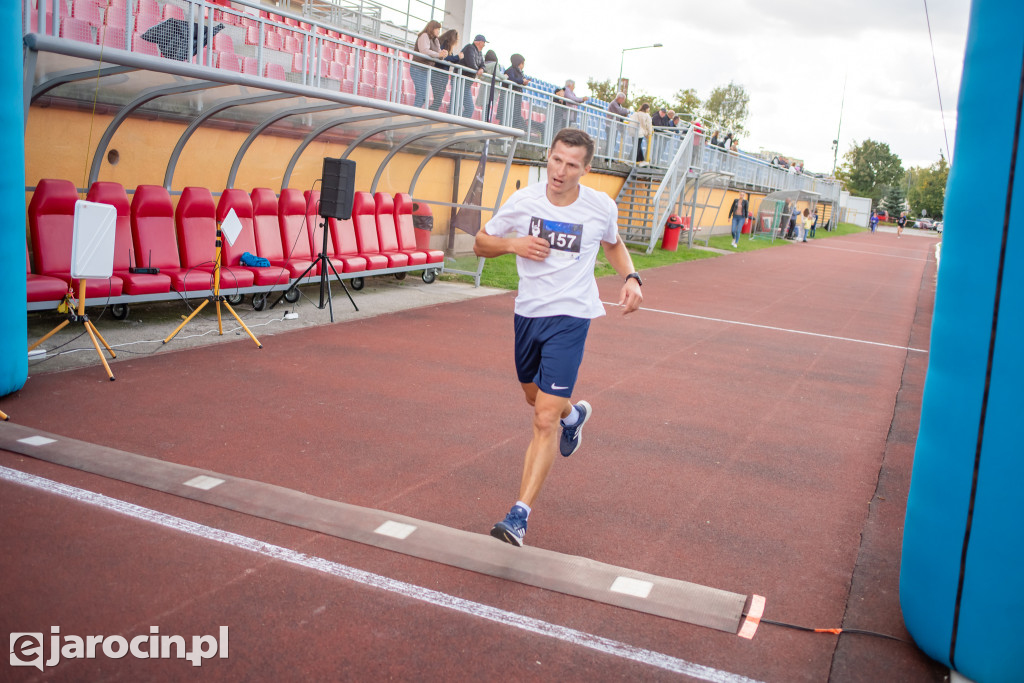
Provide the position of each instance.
(549, 352)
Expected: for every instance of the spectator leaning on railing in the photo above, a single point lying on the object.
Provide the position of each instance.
(473, 62)
(426, 43)
(519, 80)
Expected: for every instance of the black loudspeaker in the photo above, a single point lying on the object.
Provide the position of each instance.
(337, 188)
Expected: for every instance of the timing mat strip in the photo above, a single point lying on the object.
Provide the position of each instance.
(571, 575)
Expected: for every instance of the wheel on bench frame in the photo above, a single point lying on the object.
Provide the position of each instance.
(292, 295)
(119, 311)
(235, 299)
(400, 276)
(429, 275)
(357, 283)
(259, 301)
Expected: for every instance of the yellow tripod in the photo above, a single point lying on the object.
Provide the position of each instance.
(79, 316)
(217, 299)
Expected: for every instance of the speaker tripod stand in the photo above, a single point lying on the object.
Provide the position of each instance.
(79, 316)
(325, 286)
(217, 300)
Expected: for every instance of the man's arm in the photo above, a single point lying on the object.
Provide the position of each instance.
(528, 246)
(618, 257)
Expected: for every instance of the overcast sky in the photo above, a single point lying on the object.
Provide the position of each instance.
(792, 56)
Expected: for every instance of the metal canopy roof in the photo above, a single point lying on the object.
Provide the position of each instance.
(129, 84)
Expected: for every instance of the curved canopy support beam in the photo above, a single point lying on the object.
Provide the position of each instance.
(266, 123)
(376, 131)
(314, 134)
(172, 163)
(144, 97)
(75, 75)
(400, 147)
(444, 145)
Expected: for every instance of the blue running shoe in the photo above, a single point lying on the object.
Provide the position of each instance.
(572, 437)
(512, 528)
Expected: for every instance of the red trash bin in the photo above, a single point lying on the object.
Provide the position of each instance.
(673, 226)
(423, 221)
(746, 226)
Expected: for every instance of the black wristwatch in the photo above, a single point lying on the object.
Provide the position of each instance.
(636, 276)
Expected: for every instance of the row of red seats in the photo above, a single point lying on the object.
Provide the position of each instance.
(180, 241)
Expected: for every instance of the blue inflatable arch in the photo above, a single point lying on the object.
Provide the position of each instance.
(14, 328)
(963, 543)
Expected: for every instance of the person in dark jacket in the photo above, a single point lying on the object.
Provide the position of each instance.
(738, 213)
(472, 62)
(518, 81)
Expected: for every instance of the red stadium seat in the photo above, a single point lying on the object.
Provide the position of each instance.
(76, 29)
(42, 287)
(124, 256)
(51, 219)
(313, 221)
(346, 258)
(112, 37)
(154, 236)
(222, 42)
(364, 220)
(196, 223)
(267, 225)
(250, 66)
(275, 71)
(387, 233)
(144, 46)
(87, 10)
(231, 254)
(407, 234)
(229, 61)
(291, 211)
(170, 11)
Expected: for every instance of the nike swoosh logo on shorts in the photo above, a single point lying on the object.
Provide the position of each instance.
(558, 388)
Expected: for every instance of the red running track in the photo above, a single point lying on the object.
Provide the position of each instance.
(753, 432)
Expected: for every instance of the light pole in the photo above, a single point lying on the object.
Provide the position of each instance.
(618, 83)
(835, 143)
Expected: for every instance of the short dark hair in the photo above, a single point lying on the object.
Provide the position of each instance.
(573, 137)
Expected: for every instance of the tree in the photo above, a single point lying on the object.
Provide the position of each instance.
(927, 194)
(686, 103)
(894, 200)
(605, 90)
(601, 90)
(727, 106)
(870, 169)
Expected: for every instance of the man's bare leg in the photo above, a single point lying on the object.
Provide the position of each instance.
(540, 454)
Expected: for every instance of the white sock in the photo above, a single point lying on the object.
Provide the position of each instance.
(525, 507)
(572, 418)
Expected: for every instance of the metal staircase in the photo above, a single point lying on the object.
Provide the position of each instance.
(636, 204)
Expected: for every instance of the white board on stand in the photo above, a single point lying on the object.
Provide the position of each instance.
(92, 243)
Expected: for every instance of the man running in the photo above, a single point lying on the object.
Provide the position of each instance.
(559, 226)
(901, 222)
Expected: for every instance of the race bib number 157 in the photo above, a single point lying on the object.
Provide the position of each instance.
(565, 237)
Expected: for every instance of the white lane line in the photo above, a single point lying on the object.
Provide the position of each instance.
(777, 329)
(563, 633)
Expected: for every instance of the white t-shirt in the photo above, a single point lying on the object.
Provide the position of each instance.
(563, 283)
